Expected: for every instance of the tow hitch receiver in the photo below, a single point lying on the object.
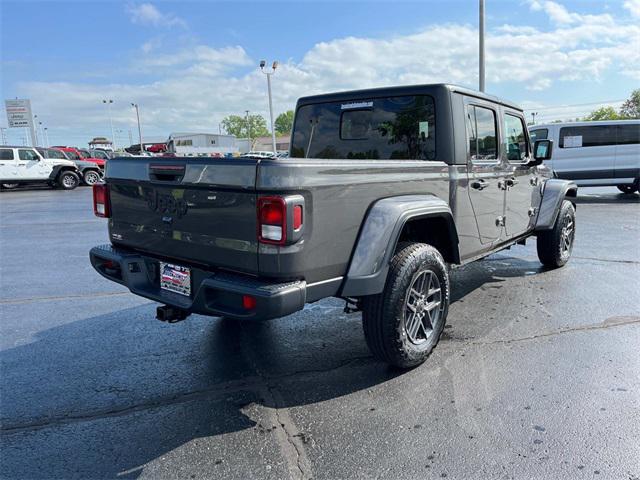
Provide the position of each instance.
(169, 314)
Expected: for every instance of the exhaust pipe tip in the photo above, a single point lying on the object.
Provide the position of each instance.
(169, 314)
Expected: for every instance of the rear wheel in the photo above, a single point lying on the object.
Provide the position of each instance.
(68, 180)
(90, 177)
(628, 188)
(9, 186)
(403, 324)
(555, 246)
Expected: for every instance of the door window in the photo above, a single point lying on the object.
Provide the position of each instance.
(6, 154)
(515, 139)
(27, 155)
(587, 136)
(482, 134)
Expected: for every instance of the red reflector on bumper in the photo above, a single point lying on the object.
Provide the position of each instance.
(248, 302)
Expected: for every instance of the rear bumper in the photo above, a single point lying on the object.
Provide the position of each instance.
(216, 294)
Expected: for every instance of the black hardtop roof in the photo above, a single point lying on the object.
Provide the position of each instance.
(431, 88)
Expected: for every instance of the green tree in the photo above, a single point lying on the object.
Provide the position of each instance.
(603, 113)
(238, 126)
(284, 123)
(631, 108)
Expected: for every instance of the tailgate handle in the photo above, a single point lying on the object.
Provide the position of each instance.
(166, 173)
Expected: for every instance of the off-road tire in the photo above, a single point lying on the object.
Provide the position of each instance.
(551, 244)
(383, 315)
(90, 177)
(68, 180)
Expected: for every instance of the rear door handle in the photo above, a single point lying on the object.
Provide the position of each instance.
(479, 184)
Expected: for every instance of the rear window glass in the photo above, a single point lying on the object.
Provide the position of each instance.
(628, 134)
(380, 129)
(6, 154)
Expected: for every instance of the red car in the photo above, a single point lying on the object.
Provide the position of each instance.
(76, 154)
(157, 148)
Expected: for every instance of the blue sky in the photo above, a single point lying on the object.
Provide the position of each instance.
(188, 64)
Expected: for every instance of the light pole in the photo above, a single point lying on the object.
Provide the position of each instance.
(481, 42)
(533, 117)
(46, 136)
(35, 129)
(42, 134)
(135, 105)
(109, 102)
(4, 138)
(268, 74)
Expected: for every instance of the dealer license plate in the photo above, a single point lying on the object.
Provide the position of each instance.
(175, 278)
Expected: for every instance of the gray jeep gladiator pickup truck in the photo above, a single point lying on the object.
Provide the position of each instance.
(384, 190)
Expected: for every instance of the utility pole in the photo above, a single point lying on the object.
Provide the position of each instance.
(109, 102)
(481, 42)
(268, 74)
(246, 120)
(35, 128)
(135, 105)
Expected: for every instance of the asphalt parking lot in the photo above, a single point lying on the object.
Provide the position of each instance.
(537, 374)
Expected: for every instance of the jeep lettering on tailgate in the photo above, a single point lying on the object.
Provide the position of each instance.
(166, 204)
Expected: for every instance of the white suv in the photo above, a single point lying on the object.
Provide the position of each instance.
(25, 165)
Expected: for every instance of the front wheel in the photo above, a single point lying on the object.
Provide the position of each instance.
(68, 180)
(555, 246)
(403, 324)
(90, 177)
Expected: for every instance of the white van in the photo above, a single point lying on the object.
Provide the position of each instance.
(594, 153)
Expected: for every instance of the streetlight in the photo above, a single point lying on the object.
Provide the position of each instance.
(46, 136)
(481, 42)
(533, 117)
(109, 102)
(135, 105)
(268, 74)
(35, 129)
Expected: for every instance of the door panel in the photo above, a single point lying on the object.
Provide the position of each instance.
(486, 172)
(7, 164)
(521, 180)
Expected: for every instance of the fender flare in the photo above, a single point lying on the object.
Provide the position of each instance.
(554, 192)
(53, 176)
(379, 235)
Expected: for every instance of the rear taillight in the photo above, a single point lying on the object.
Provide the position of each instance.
(101, 202)
(272, 220)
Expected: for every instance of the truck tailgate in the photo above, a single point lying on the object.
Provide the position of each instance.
(200, 210)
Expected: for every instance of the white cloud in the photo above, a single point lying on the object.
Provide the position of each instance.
(634, 7)
(195, 87)
(148, 14)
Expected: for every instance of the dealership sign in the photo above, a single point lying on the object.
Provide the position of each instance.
(19, 115)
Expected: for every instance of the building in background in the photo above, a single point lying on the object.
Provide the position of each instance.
(264, 144)
(202, 144)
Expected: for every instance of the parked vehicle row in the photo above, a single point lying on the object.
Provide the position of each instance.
(26, 165)
(595, 153)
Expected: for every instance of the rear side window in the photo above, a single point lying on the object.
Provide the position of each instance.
(27, 155)
(587, 136)
(380, 129)
(53, 153)
(539, 134)
(482, 134)
(6, 154)
(72, 155)
(515, 139)
(628, 134)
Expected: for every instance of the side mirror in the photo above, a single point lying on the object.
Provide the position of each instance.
(542, 150)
